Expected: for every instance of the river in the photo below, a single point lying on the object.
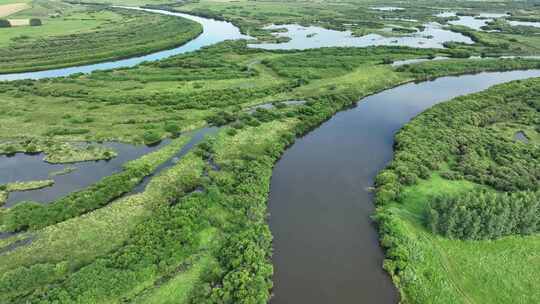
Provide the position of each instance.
(325, 245)
(214, 31)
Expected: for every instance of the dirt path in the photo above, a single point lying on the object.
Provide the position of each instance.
(8, 9)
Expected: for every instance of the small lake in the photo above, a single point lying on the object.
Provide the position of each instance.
(477, 22)
(310, 37)
(27, 167)
(398, 63)
(214, 31)
(326, 247)
(522, 137)
(524, 23)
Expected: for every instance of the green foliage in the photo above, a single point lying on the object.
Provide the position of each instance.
(433, 69)
(485, 215)
(4, 23)
(133, 33)
(172, 127)
(33, 216)
(151, 137)
(35, 22)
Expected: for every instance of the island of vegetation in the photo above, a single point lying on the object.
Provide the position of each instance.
(70, 34)
(456, 207)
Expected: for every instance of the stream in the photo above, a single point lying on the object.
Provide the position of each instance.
(326, 247)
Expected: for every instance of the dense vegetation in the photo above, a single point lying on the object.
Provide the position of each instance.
(4, 23)
(198, 233)
(111, 34)
(485, 215)
(459, 172)
(33, 215)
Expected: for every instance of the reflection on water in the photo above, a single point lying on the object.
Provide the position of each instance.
(301, 37)
(214, 31)
(521, 136)
(482, 19)
(326, 248)
(26, 167)
(524, 23)
(417, 60)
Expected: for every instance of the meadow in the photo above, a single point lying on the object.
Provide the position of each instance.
(72, 35)
(198, 233)
(462, 252)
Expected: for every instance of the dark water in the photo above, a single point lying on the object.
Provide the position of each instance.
(25, 167)
(197, 137)
(521, 136)
(325, 245)
(214, 31)
(310, 37)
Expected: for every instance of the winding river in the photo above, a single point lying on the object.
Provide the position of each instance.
(325, 245)
(326, 248)
(29, 167)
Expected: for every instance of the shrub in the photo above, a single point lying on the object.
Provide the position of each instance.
(485, 215)
(35, 22)
(172, 128)
(151, 137)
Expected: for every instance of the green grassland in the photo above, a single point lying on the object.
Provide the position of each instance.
(430, 267)
(198, 233)
(188, 263)
(359, 17)
(76, 34)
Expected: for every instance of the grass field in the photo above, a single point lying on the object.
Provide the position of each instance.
(429, 267)
(199, 232)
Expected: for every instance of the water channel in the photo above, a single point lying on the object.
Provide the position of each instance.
(325, 245)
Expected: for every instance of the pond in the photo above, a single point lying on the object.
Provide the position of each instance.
(473, 22)
(387, 8)
(310, 37)
(326, 247)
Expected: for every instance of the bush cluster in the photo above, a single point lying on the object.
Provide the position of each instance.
(481, 215)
